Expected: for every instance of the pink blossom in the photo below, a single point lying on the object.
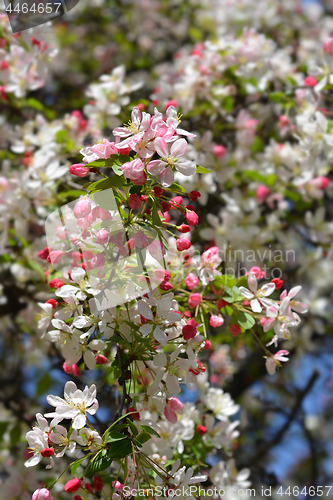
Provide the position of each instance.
(191, 281)
(218, 151)
(134, 170)
(82, 208)
(42, 494)
(104, 149)
(173, 406)
(328, 46)
(310, 81)
(261, 193)
(194, 299)
(273, 361)
(102, 237)
(216, 321)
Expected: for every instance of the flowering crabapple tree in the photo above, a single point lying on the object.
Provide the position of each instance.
(154, 315)
(165, 222)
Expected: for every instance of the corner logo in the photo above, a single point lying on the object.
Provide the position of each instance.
(25, 14)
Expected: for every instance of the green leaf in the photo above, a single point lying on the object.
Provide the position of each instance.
(245, 320)
(177, 187)
(228, 104)
(143, 437)
(76, 465)
(35, 104)
(242, 281)
(120, 450)
(73, 194)
(43, 384)
(37, 268)
(3, 428)
(132, 426)
(97, 464)
(100, 163)
(156, 218)
(15, 434)
(330, 126)
(114, 181)
(117, 169)
(150, 430)
(202, 170)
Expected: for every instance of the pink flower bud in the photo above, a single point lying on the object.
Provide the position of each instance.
(75, 370)
(194, 299)
(192, 218)
(82, 208)
(98, 262)
(216, 321)
(42, 494)
(55, 257)
(183, 244)
(176, 404)
(134, 201)
(3, 184)
(310, 81)
(321, 182)
(262, 193)
(328, 46)
(191, 281)
(172, 102)
(79, 170)
(218, 151)
(73, 485)
(102, 237)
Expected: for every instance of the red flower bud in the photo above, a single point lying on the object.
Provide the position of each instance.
(56, 283)
(278, 283)
(101, 360)
(73, 485)
(194, 195)
(189, 332)
(134, 414)
(184, 228)
(53, 302)
(182, 244)
(47, 452)
(201, 430)
(98, 483)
